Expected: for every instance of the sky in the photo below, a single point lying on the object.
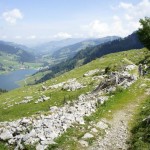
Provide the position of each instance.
(37, 21)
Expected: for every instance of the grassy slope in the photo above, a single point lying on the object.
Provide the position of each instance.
(31, 79)
(29, 109)
(140, 139)
(69, 140)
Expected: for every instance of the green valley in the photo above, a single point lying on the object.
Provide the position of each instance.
(37, 100)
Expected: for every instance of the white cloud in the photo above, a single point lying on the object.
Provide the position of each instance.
(18, 37)
(118, 27)
(125, 5)
(129, 15)
(132, 15)
(98, 28)
(32, 37)
(62, 35)
(139, 10)
(12, 16)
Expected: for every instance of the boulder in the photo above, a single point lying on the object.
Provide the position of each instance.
(91, 72)
(39, 147)
(53, 108)
(84, 143)
(87, 136)
(44, 88)
(25, 121)
(102, 125)
(6, 135)
(102, 99)
(42, 99)
(72, 85)
(32, 134)
(130, 67)
(94, 130)
(56, 86)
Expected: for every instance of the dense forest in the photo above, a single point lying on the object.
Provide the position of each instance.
(2, 91)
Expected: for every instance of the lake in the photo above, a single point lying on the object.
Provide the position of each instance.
(9, 81)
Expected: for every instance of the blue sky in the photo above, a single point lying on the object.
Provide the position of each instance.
(32, 21)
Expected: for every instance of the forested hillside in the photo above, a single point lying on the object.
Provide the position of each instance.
(91, 53)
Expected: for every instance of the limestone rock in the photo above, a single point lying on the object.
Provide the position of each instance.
(53, 108)
(56, 86)
(94, 130)
(72, 85)
(130, 67)
(39, 147)
(42, 99)
(87, 136)
(6, 135)
(84, 143)
(102, 125)
(91, 72)
(102, 99)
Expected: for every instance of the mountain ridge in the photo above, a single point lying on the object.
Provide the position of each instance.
(91, 53)
(12, 48)
(71, 50)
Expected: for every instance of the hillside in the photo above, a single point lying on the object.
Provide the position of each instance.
(91, 53)
(68, 111)
(50, 47)
(64, 53)
(12, 57)
(71, 50)
(21, 54)
(55, 52)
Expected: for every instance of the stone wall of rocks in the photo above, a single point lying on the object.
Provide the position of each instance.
(70, 85)
(42, 130)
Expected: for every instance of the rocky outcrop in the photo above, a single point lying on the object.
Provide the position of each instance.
(87, 136)
(26, 100)
(42, 99)
(56, 86)
(91, 72)
(123, 79)
(102, 99)
(43, 129)
(130, 67)
(72, 85)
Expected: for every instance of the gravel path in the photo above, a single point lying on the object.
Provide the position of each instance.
(117, 135)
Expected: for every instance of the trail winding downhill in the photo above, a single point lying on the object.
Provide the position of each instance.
(117, 135)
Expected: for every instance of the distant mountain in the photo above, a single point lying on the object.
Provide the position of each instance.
(127, 43)
(91, 53)
(52, 46)
(71, 50)
(20, 46)
(15, 49)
